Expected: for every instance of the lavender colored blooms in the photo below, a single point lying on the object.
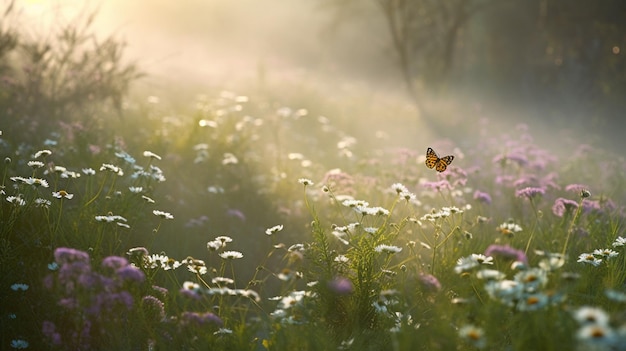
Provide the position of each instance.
(67, 255)
(153, 307)
(506, 251)
(438, 186)
(49, 330)
(199, 319)
(562, 205)
(576, 188)
(131, 273)
(591, 206)
(530, 192)
(341, 286)
(114, 262)
(482, 197)
(429, 282)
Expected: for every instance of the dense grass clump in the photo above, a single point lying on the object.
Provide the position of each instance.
(241, 223)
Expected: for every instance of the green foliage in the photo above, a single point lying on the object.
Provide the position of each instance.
(239, 232)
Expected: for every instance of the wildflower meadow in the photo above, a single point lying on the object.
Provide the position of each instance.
(277, 220)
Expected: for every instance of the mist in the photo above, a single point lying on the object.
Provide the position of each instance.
(232, 44)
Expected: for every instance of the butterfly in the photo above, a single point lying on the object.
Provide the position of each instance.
(439, 164)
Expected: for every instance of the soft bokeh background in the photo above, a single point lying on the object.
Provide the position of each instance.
(554, 64)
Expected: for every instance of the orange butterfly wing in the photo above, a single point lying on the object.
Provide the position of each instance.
(443, 163)
(433, 161)
(431, 158)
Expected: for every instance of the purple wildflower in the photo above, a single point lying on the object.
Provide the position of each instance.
(530, 192)
(591, 206)
(429, 282)
(438, 186)
(131, 273)
(576, 188)
(341, 286)
(70, 303)
(49, 330)
(198, 319)
(232, 212)
(190, 293)
(482, 197)
(64, 255)
(153, 308)
(114, 262)
(562, 205)
(505, 179)
(160, 291)
(525, 180)
(506, 251)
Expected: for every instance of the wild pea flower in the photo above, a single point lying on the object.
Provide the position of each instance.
(482, 197)
(530, 192)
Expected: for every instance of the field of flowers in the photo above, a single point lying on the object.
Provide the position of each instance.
(242, 222)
